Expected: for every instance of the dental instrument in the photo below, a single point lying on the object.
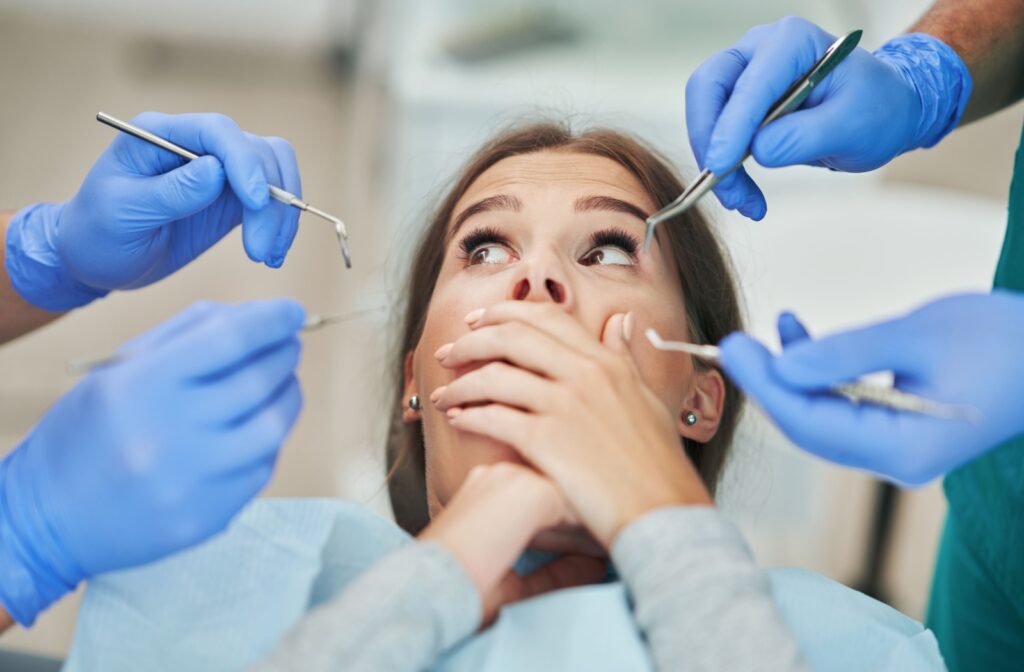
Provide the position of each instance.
(277, 193)
(859, 393)
(788, 102)
(314, 322)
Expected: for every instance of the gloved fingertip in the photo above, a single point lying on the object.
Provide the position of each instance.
(761, 210)
(789, 322)
(297, 313)
(791, 330)
(736, 348)
(754, 207)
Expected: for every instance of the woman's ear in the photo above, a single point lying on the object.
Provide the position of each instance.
(701, 411)
(409, 414)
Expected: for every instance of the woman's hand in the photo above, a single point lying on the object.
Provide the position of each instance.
(575, 408)
(491, 520)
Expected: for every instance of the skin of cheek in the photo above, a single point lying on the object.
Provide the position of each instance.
(451, 454)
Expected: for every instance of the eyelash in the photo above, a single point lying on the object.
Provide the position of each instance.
(476, 239)
(489, 235)
(619, 238)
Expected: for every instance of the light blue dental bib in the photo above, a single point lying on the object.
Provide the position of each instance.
(227, 604)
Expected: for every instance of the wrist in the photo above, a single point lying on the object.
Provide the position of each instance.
(939, 78)
(29, 554)
(34, 265)
(678, 493)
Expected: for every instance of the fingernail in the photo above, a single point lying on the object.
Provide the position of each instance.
(627, 326)
(474, 315)
(453, 412)
(444, 350)
(436, 394)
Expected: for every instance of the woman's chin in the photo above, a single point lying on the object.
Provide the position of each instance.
(568, 539)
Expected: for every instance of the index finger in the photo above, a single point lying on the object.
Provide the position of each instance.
(219, 136)
(233, 335)
(868, 437)
(775, 61)
(547, 317)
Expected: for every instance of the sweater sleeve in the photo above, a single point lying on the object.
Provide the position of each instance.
(698, 596)
(399, 615)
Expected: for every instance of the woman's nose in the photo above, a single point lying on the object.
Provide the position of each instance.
(553, 291)
(541, 283)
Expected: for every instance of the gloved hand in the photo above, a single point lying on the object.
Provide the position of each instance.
(870, 109)
(962, 350)
(151, 454)
(141, 214)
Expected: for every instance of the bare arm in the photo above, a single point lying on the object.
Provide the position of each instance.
(5, 619)
(17, 317)
(989, 36)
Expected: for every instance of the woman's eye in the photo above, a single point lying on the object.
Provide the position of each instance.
(607, 255)
(489, 254)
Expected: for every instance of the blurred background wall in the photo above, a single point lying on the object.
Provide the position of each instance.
(382, 99)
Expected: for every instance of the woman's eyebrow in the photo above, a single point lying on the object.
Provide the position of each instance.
(496, 202)
(586, 203)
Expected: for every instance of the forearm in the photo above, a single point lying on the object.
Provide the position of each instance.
(989, 36)
(5, 619)
(17, 316)
(698, 595)
(401, 614)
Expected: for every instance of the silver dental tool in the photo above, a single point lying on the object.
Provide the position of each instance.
(858, 393)
(790, 101)
(314, 322)
(278, 194)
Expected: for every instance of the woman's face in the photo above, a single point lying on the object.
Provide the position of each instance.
(558, 227)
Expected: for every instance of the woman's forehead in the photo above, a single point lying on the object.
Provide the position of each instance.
(574, 173)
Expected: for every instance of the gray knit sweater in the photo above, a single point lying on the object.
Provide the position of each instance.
(698, 596)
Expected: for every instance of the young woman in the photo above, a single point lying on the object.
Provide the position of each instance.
(530, 415)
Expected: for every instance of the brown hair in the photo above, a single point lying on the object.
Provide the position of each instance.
(705, 276)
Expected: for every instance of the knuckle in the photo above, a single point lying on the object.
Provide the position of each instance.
(590, 373)
(791, 22)
(222, 122)
(491, 372)
(281, 146)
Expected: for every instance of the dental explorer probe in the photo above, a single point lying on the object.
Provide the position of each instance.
(788, 102)
(277, 193)
(859, 393)
(314, 322)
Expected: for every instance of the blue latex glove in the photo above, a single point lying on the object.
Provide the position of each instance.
(149, 455)
(962, 350)
(141, 214)
(871, 108)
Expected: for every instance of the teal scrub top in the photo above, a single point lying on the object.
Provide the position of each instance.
(977, 600)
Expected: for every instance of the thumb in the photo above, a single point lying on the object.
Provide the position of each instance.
(791, 329)
(186, 190)
(802, 137)
(845, 356)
